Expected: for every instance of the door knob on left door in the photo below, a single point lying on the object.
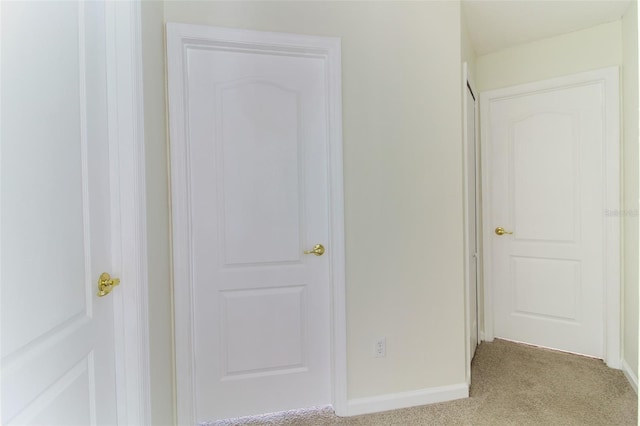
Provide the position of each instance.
(106, 284)
(318, 250)
(500, 231)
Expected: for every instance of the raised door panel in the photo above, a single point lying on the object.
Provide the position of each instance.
(258, 135)
(46, 260)
(274, 330)
(68, 400)
(546, 288)
(545, 176)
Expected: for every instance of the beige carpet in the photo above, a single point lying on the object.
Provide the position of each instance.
(512, 384)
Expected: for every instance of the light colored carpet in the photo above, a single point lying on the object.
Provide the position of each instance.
(512, 384)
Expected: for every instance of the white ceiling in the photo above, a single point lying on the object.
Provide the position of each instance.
(495, 25)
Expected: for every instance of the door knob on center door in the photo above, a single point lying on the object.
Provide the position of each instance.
(318, 250)
(500, 231)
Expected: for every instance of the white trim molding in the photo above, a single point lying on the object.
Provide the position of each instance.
(181, 37)
(609, 79)
(399, 400)
(630, 375)
(129, 216)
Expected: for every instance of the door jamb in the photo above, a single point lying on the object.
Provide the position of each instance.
(609, 79)
(468, 85)
(179, 37)
(128, 213)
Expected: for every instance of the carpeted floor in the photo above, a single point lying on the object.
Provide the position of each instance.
(512, 384)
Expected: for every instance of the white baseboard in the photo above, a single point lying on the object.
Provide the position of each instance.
(628, 372)
(482, 339)
(415, 398)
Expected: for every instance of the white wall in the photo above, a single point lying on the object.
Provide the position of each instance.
(584, 50)
(466, 49)
(403, 182)
(630, 160)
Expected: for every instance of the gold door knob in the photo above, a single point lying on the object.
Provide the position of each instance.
(106, 284)
(500, 231)
(318, 250)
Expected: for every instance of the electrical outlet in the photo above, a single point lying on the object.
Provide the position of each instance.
(380, 349)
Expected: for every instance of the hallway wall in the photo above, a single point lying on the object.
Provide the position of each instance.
(158, 206)
(571, 53)
(403, 182)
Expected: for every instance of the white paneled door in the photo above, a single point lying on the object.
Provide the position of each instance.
(546, 227)
(255, 141)
(57, 334)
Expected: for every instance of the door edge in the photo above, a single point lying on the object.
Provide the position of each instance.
(123, 22)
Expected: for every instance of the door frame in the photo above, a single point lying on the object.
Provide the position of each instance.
(468, 85)
(179, 38)
(128, 210)
(608, 78)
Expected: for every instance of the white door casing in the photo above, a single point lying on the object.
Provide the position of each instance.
(470, 217)
(472, 249)
(256, 179)
(550, 154)
(72, 207)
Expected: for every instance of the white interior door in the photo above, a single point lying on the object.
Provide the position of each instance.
(546, 179)
(255, 138)
(472, 222)
(57, 335)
